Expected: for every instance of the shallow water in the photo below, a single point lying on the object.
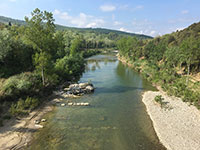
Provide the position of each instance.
(116, 119)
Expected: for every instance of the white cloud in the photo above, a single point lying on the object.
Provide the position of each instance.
(82, 20)
(107, 8)
(124, 29)
(152, 33)
(184, 12)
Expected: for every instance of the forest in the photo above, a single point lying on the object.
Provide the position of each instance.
(171, 61)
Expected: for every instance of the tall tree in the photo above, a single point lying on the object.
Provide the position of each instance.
(39, 34)
(190, 53)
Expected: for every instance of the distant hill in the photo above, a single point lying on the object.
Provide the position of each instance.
(6, 20)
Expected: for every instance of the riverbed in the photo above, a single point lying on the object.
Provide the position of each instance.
(115, 120)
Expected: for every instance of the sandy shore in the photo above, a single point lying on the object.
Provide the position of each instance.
(177, 125)
(16, 134)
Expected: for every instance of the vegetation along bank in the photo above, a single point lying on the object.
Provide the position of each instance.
(172, 63)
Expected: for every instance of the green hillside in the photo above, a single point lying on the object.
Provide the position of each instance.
(6, 20)
(171, 61)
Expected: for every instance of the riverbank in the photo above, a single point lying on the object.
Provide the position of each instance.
(16, 134)
(177, 126)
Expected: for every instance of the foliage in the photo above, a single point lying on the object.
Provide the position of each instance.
(70, 66)
(17, 85)
(22, 107)
(170, 61)
(159, 99)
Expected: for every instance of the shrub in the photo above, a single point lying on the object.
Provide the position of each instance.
(22, 107)
(159, 99)
(31, 103)
(22, 84)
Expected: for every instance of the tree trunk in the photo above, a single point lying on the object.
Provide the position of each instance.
(188, 73)
(43, 79)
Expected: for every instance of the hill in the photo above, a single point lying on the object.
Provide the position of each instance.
(171, 61)
(6, 20)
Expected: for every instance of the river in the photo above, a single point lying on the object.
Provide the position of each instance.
(115, 120)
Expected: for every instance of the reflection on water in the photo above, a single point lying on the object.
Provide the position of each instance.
(116, 119)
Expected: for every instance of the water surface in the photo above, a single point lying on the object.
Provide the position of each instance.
(116, 119)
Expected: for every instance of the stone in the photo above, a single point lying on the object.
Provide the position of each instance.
(37, 121)
(43, 120)
(39, 126)
(66, 89)
(62, 104)
(70, 104)
(86, 104)
(83, 85)
(89, 88)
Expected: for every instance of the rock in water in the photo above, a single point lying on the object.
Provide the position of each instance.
(83, 85)
(43, 120)
(63, 104)
(37, 121)
(89, 88)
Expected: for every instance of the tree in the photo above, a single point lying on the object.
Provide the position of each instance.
(39, 34)
(189, 53)
(76, 46)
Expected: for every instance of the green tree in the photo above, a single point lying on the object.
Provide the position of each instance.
(190, 53)
(39, 34)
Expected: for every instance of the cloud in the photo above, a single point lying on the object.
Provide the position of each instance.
(152, 33)
(179, 28)
(148, 32)
(82, 20)
(124, 29)
(184, 12)
(107, 8)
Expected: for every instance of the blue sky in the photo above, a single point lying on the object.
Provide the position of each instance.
(150, 17)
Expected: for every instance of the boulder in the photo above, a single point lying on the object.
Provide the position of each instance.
(73, 86)
(83, 85)
(89, 88)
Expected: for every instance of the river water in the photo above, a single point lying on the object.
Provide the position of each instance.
(116, 119)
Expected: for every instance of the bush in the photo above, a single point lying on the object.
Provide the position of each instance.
(159, 99)
(22, 84)
(22, 107)
(31, 103)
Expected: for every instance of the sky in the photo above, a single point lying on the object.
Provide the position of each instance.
(149, 17)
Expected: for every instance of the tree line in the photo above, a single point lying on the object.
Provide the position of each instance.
(169, 61)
